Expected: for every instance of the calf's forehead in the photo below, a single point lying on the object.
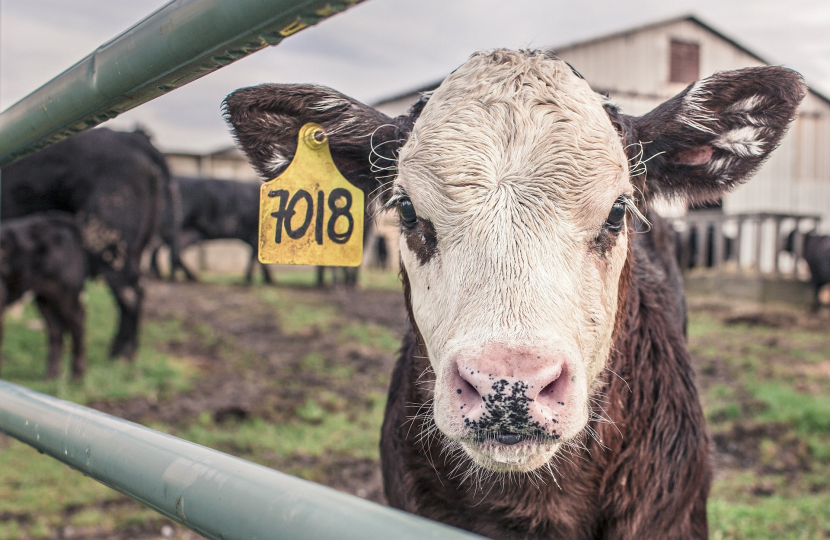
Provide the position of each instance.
(517, 120)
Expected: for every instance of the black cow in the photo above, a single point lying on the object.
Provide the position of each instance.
(44, 254)
(115, 183)
(348, 276)
(213, 209)
(817, 254)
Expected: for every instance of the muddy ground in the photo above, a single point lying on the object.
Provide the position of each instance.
(236, 315)
(241, 325)
(254, 364)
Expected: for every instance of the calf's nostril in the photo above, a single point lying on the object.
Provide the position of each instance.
(463, 386)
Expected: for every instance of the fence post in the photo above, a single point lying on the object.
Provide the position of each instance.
(776, 246)
(759, 231)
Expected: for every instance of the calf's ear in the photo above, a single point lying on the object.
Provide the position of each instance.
(714, 134)
(266, 121)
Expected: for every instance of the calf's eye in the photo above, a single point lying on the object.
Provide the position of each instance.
(616, 216)
(408, 217)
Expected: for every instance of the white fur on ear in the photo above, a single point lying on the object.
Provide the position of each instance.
(746, 105)
(277, 161)
(697, 115)
(743, 142)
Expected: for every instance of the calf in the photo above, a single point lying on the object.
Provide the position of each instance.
(44, 254)
(816, 252)
(114, 183)
(213, 209)
(544, 389)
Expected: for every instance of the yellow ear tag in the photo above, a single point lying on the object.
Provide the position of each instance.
(310, 214)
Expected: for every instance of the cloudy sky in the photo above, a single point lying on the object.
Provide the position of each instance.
(382, 47)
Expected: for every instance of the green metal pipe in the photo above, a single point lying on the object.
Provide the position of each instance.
(179, 43)
(217, 495)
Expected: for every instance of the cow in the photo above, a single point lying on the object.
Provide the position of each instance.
(214, 209)
(44, 254)
(115, 184)
(339, 274)
(544, 389)
(816, 251)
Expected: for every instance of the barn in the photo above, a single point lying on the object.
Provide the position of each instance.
(641, 67)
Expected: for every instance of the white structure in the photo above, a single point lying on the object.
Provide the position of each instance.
(228, 164)
(640, 68)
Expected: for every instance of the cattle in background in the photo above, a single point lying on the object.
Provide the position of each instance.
(816, 251)
(115, 183)
(213, 209)
(381, 252)
(347, 275)
(545, 389)
(44, 254)
(687, 246)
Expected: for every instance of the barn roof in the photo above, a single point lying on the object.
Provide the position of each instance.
(692, 18)
(658, 24)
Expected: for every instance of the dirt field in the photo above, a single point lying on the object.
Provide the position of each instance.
(295, 378)
(300, 369)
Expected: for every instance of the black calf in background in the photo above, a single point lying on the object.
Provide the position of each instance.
(213, 209)
(816, 252)
(44, 254)
(115, 184)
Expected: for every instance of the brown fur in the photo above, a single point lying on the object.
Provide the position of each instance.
(651, 480)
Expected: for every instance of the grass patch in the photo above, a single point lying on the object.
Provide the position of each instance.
(370, 335)
(770, 380)
(808, 413)
(153, 374)
(39, 493)
(39, 489)
(327, 431)
(298, 317)
(785, 518)
(314, 433)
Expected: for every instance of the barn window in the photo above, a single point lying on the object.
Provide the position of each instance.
(684, 63)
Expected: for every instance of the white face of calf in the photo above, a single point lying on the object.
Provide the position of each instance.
(512, 183)
(513, 187)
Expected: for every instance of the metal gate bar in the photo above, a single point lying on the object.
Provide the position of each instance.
(217, 495)
(179, 43)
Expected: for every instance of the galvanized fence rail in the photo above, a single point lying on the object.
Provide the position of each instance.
(216, 495)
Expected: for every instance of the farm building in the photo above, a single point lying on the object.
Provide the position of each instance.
(228, 163)
(642, 67)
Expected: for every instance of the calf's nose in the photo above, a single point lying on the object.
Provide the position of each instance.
(510, 392)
